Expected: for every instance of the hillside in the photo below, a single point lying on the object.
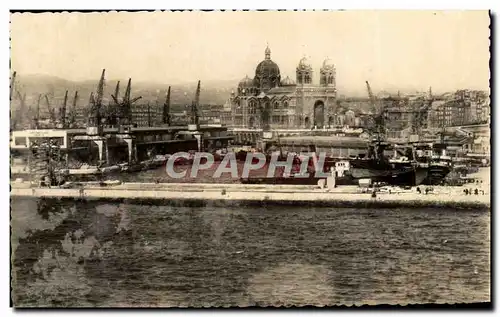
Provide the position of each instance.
(214, 92)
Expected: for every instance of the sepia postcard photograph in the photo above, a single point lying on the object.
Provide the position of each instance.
(232, 159)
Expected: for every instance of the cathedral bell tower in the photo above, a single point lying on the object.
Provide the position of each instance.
(327, 73)
(304, 72)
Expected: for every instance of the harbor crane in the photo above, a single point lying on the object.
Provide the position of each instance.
(62, 111)
(114, 108)
(194, 106)
(21, 112)
(12, 83)
(95, 116)
(166, 109)
(36, 116)
(72, 112)
(125, 113)
(52, 114)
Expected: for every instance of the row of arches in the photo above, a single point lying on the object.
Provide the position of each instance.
(318, 119)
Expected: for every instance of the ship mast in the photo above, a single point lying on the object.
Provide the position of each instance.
(379, 123)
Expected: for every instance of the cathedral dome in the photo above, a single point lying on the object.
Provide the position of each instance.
(267, 73)
(246, 82)
(267, 68)
(287, 82)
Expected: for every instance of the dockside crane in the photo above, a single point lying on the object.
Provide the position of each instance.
(95, 115)
(125, 118)
(62, 111)
(149, 114)
(166, 109)
(12, 83)
(21, 112)
(114, 112)
(72, 112)
(52, 114)
(36, 116)
(194, 106)
(13, 116)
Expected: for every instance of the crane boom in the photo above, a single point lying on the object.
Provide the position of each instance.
(195, 104)
(370, 95)
(37, 113)
(126, 104)
(72, 114)
(62, 114)
(12, 83)
(100, 90)
(52, 115)
(166, 108)
(117, 91)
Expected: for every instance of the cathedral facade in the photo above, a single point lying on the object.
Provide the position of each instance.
(269, 101)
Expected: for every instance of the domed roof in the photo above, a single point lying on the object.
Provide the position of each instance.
(328, 64)
(267, 73)
(267, 68)
(304, 63)
(287, 82)
(246, 82)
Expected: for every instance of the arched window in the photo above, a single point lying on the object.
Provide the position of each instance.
(307, 79)
(330, 80)
(285, 104)
(276, 105)
(252, 108)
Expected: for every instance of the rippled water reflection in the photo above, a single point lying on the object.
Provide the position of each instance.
(68, 253)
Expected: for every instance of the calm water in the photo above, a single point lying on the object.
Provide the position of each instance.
(68, 253)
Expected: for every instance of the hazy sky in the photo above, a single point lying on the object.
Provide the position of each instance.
(391, 49)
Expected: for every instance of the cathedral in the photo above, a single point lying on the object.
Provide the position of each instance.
(269, 101)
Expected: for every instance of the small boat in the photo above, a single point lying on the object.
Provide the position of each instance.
(131, 168)
(110, 169)
(85, 169)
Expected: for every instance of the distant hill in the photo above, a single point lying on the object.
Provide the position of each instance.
(212, 92)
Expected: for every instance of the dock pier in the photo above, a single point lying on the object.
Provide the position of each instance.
(243, 194)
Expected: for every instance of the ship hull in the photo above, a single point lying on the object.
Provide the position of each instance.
(406, 176)
(436, 174)
(345, 180)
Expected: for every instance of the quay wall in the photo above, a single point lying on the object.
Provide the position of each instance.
(236, 194)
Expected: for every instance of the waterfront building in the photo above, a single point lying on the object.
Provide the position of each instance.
(146, 115)
(270, 100)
